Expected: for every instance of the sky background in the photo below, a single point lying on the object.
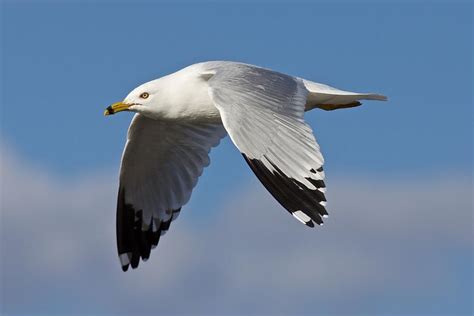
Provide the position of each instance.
(399, 237)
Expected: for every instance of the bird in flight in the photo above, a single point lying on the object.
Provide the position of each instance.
(181, 116)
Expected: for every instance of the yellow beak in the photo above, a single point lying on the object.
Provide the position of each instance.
(116, 107)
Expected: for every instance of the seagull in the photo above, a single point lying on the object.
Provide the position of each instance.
(181, 116)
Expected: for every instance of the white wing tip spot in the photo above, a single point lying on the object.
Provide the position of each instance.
(317, 176)
(302, 217)
(124, 258)
(323, 203)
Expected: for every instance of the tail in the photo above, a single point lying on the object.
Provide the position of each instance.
(329, 98)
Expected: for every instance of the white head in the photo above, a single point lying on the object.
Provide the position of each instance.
(144, 99)
(180, 95)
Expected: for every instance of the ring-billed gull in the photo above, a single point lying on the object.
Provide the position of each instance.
(181, 116)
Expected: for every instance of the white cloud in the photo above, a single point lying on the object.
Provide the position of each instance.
(398, 237)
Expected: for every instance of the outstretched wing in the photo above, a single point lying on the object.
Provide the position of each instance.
(262, 111)
(160, 166)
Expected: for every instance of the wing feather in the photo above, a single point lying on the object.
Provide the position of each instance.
(262, 111)
(160, 166)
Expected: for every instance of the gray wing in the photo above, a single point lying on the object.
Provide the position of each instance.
(262, 111)
(160, 166)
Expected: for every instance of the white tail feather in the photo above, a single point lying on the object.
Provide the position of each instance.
(329, 98)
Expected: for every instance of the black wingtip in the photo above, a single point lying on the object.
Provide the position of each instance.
(131, 239)
(293, 195)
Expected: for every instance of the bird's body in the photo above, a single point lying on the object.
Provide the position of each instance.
(183, 115)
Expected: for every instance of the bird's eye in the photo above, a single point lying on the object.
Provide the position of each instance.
(144, 95)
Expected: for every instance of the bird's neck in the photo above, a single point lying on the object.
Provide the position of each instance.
(185, 96)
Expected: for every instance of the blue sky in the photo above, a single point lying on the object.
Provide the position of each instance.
(63, 63)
